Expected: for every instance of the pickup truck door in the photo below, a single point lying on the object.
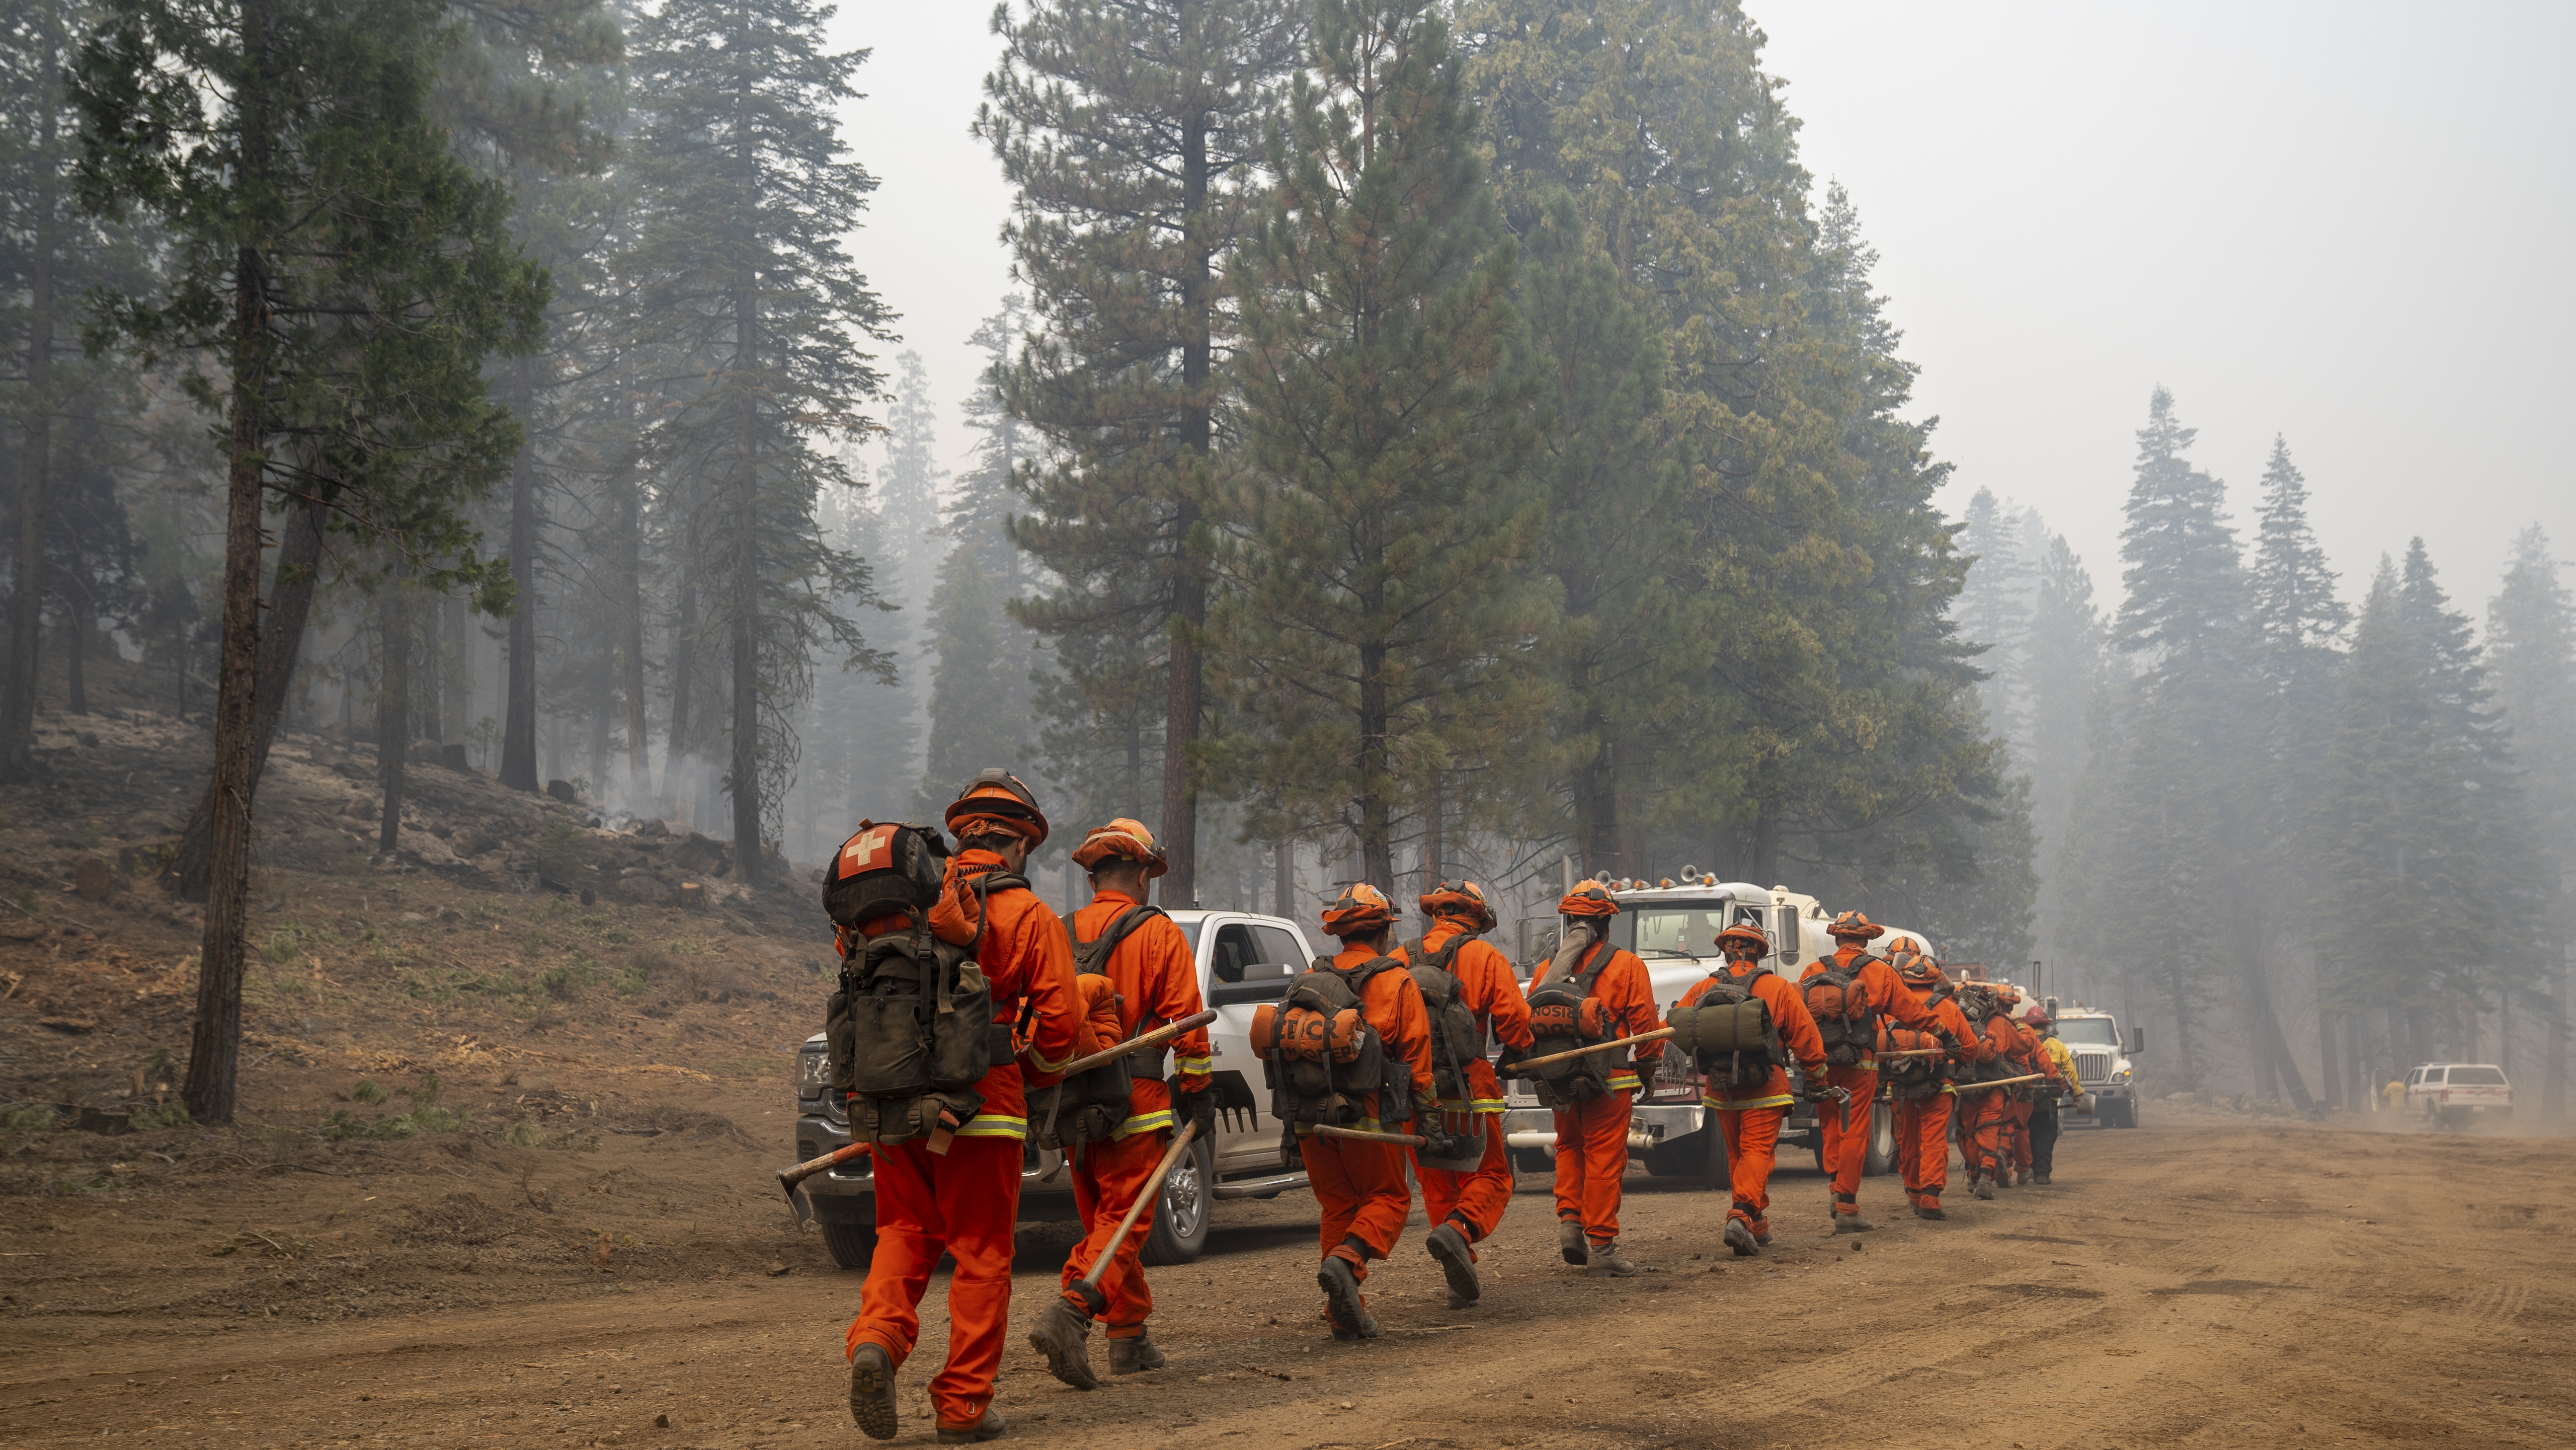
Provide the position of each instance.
(1246, 964)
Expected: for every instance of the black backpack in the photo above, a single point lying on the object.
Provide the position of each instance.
(1456, 1039)
(1092, 1107)
(1564, 1016)
(910, 1030)
(1728, 1032)
(1848, 1025)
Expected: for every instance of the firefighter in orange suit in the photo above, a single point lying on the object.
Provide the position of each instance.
(1923, 1123)
(2035, 1058)
(1750, 1116)
(962, 1198)
(2012, 1132)
(1465, 1207)
(1153, 975)
(1592, 1136)
(1361, 1186)
(1982, 1112)
(1846, 1124)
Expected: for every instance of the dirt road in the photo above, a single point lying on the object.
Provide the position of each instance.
(2199, 1282)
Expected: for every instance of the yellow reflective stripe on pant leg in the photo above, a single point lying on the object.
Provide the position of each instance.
(1729, 1105)
(987, 1125)
(1143, 1123)
(1200, 1065)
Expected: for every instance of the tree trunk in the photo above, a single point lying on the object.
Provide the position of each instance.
(1181, 703)
(630, 590)
(27, 609)
(75, 627)
(299, 573)
(1433, 873)
(1283, 865)
(393, 709)
(519, 709)
(746, 595)
(1376, 863)
(684, 664)
(214, 1043)
(2553, 1080)
(2329, 1063)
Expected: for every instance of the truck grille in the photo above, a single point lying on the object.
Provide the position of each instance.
(2092, 1067)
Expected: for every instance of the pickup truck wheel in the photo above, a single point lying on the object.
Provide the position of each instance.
(1181, 1213)
(851, 1244)
(1880, 1158)
(2122, 1114)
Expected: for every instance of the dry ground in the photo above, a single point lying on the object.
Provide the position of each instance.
(501, 1178)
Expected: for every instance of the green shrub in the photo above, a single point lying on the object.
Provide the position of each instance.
(27, 1118)
(523, 1134)
(172, 1114)
(367, 1092)
(563, 849)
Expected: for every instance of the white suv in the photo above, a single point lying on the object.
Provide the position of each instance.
(2452, 1094)
(1244, 960)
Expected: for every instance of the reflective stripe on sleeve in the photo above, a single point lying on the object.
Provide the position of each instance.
(1200, 1065)
(1143, 1123)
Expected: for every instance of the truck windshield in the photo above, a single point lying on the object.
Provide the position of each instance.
(1687, 929)
(2089, 1032)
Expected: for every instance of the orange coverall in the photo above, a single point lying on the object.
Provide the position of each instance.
(1474, 1201)
(1847, 1150)
(1982, 1114)
(1923, 1124)
(1156, 977)
(967, 1202)
(1751, 1117)
(2025, 1098)
(1592, 1137)
(1360, 1186)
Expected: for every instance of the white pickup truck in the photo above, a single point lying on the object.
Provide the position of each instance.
(1244, 961)
(2453, 1094)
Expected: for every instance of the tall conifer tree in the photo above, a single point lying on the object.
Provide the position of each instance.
(1377, 588)
(1133, 132)
(2531, 633)
(740, 271)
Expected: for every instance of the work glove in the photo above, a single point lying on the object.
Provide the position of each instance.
(1508, 1065)
(1195, 1107)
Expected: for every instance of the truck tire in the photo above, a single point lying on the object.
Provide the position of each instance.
(1181, 1212)
(851, 1244)
(1880, 1158)
(2122, 1114)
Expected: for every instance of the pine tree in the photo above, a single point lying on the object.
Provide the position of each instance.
(2177, 839)
(739, 271)
(2064, 663)
(1625, 648)
(976, 715)
(1386, 521)
(2296, 622)
(1133, 132)
(1995, 611)
(2531, 634)
(345, 276)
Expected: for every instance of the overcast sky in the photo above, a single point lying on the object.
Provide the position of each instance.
(2348, 224)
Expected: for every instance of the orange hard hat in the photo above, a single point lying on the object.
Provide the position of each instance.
(1853, 926)
(1915, 967)
(1122, 838)
(995, 800)
(1588, 898)
(1897, 944)
(1460, 900)
(1360, 910)
(2037, 1016)
(1747, 933)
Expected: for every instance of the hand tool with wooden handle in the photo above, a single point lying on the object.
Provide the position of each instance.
(1529, 1062)
(1978, 1087)
(1151, 1189)
(1363, 1135)
(789, 1178)
(1139, 1043)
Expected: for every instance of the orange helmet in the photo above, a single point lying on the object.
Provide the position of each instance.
(2037, 1016)
(1852, 926)
(1461, 901)
(995, 801)
(1360, 910)
(1747, 933)
(1897, 944)
(1588, 898)
(1916, 967)
(1122, 838)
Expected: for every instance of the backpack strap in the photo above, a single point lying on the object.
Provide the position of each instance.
(1092, 956)
(1449, 953)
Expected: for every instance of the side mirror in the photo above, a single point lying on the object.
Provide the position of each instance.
(2137, 1042)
